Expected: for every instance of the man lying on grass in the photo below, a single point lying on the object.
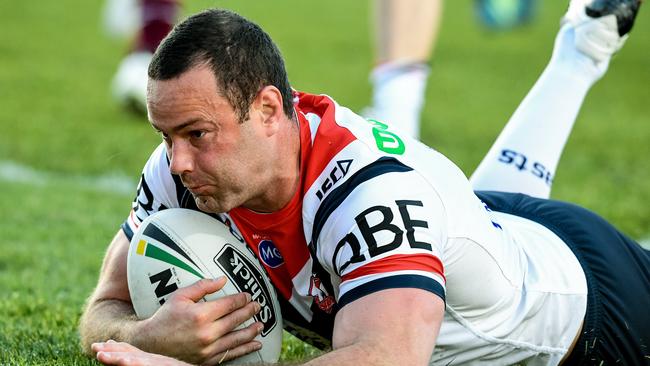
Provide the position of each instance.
(390, 255)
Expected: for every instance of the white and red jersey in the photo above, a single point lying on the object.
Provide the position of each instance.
(378, 210)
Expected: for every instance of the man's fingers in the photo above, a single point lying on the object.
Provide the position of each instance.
(112, 346)
(230, 322)
(123, 354)
(235, 352)
(201, 288)
(241, 336)
(217, 309)
(117, 358)
(234, 340)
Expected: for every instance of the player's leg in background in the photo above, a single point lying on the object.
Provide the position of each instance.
(405, 32)
(157, 18)
(525, 156)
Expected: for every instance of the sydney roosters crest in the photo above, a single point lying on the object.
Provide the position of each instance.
(324, 300)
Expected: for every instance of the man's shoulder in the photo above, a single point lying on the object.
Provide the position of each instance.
(158, 159)
(158, 183)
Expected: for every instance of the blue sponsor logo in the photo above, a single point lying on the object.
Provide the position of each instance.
(269, 254)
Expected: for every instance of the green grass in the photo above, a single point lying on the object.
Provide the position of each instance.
(56, 115)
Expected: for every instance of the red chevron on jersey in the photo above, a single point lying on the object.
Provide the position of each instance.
(332, 137)
(398, 262)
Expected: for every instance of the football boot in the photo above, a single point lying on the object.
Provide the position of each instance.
(601, 26)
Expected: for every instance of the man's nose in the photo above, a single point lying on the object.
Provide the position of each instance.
(181, 160)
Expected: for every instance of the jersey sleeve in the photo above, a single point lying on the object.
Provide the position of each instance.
(157, 190)
(384, 228)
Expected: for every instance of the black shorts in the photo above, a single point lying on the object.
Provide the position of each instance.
(616, 328)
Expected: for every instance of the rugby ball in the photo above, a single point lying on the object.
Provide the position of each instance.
(176, 247)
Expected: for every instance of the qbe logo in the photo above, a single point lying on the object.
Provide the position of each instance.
(269, 254)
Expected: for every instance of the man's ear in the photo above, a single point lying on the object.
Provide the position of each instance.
(268, 105)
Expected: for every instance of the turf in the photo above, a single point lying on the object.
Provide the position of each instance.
(57, 117)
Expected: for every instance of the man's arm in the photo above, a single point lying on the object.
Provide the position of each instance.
(109, 313)
(184, 328)
(390, 327)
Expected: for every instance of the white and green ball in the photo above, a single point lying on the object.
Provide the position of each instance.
(175, 248)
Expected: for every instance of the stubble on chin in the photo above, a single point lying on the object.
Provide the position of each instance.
(209, 204)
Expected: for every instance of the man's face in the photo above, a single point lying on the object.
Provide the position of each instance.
(220, 160)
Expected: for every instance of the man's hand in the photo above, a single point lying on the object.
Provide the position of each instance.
(124, 354)
(202, 332)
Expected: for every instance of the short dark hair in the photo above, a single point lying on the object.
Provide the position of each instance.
(241, 55)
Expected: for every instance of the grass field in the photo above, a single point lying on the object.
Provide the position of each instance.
(67, 153)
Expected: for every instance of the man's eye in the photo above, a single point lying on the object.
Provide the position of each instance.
(197, 134)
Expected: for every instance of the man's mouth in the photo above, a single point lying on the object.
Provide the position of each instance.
(196, 189)
(189, 184)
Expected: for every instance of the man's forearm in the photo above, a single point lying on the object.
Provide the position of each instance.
(108, 319)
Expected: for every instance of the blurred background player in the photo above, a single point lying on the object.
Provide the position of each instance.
(150, 20)
(405, 32)
(404, 36)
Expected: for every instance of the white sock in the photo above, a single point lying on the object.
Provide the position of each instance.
(525, 156)
(398, 94)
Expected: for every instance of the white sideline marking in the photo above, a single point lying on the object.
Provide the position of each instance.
(111, 183)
